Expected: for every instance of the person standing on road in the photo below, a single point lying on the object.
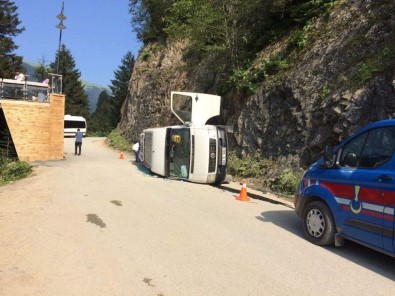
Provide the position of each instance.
(136, 148)
(78, 142)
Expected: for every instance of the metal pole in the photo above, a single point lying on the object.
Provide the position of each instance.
(60, 41)
(60, 26)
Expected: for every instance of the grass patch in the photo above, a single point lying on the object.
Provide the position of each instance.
(98, 133)
(248, 167)
(374, 64)
(117, 141)
(11, 170)
(248, 80)
(287, 182)
(264, 173)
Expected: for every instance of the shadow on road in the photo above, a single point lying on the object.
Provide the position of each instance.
(287, 220)
(141, 168)
(370, 259)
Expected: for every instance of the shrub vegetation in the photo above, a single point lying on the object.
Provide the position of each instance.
(264, 173)
(12, 170)
(117, 141)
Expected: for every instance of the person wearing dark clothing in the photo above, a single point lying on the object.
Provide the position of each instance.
(78, 142)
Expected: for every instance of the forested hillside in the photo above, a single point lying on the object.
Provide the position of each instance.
(294, 75)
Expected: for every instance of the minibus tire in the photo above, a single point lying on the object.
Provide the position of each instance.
(318, 224)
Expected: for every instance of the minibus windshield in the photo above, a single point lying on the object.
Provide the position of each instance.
(179, 153)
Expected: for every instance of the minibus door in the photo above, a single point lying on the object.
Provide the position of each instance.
(179, 153)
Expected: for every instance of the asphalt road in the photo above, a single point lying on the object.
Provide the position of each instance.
(97, 225)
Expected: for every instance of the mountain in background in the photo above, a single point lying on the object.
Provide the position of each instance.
(92, 90)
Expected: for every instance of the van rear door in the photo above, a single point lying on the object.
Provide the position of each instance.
(194, 108)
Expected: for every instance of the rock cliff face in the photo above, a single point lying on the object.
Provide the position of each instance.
(158, 71)
(343, 79)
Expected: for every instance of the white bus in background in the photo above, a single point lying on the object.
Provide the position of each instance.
(194, 151)
(72, 123)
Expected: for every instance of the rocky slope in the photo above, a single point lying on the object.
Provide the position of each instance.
(342, 79)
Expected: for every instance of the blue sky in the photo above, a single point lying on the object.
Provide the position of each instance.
(98, 34)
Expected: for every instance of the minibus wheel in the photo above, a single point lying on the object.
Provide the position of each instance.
(318, 225)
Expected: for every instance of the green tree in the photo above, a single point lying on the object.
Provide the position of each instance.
(76, 100)
(228, 34)
(149, 18)
(102, 121)
(218, 28)
(9, 27)
(120, 84)
(42, 70)
(228, 28)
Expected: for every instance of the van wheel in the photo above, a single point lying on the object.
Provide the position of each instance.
(318, 224)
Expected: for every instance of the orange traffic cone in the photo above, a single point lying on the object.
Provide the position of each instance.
(121, 155)
(243, 192)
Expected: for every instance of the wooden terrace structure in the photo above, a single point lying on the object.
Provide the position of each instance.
(33, 115)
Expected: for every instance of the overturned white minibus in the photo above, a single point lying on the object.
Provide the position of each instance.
(194, 151)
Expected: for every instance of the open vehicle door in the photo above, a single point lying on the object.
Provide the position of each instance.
(194, 108)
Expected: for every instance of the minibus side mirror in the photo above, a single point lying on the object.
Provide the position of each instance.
(328, 156)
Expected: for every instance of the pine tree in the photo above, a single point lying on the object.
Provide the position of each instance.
(108, 109)
(120, 85)
(9, 27)
(42, 70)
(76, 100)
(102, 121)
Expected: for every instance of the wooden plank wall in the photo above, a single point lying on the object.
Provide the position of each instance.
(57, 126)
(36, 128)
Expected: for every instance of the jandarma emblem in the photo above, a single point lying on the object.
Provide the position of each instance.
(355, 204)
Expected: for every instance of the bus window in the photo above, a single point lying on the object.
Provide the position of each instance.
(74, 124)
